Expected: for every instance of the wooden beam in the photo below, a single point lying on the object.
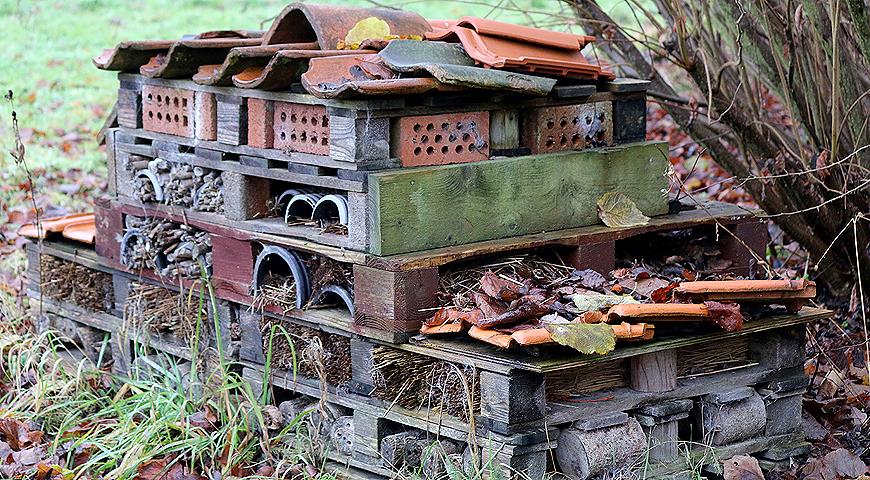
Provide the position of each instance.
(472, 202)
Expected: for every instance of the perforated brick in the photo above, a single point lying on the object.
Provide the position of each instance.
(301, 128)
(569, 127)
(442, 139)
(168, 110)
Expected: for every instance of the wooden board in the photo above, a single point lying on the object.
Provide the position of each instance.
(486, 357)
(431, 207)
(704, 213)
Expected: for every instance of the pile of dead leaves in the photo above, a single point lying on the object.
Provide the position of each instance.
(24, 450)
(528, 301)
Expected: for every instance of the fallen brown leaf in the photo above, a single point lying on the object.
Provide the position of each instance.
(742, 467)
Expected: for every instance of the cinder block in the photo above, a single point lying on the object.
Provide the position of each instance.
(245, 197)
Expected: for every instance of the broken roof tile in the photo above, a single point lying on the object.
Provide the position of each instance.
(54, 225)
(659, 312)
(284, 68)
(520, 33)
(241, 58)
(339, 77)
(493, 337)
(450, 65)
(523, 48)
(793, 294)
(329, 24)
(83, 232)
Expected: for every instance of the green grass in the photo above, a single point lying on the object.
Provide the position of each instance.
(62, 99)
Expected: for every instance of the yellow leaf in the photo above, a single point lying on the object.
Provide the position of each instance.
(367, 28)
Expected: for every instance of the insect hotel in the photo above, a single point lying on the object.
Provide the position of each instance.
(453, 233)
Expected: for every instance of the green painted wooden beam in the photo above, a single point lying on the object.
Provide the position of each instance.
(417, 209)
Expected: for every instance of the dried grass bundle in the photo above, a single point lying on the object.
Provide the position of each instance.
(318, 355)
(76, 284)
(161, 310)
(713, 357)
(607, 375)
(416, 381)
(278, 291)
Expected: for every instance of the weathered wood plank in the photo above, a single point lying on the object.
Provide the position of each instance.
(472, 202)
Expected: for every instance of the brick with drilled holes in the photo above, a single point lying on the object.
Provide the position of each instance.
(301, 128)
(167, 110)
(569, 127)
(442, 139)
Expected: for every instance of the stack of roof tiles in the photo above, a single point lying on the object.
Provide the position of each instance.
(307, 42)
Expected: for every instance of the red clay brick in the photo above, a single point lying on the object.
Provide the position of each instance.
(205, 117)
(443, 139)
(261, 116)
(167, 110)
(301, 128)
(569, 127)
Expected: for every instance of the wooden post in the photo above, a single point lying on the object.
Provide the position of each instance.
(600, 257)
(745, 242)
(392, 301)
(512, 403)
(232, 120)
(654, 372)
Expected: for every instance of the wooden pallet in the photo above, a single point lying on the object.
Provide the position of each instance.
(542, 192)
(394, 294)
(367, 132)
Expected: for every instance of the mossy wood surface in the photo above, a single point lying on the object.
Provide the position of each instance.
(430, 207)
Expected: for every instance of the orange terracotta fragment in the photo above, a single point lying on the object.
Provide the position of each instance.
(84, 232)
(443, 329)
(493, 337)
(54, 225)
(661, 312)
(532, 336)
(639, 331)
(794, 294)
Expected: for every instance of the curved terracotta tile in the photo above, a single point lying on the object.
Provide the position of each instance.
(54, 225)
(328, 24)
(129, 56)
(285, 68)
(84, 232)
(742, 286)
(675, 312)
(638, 331)
(492, 337)
(241, 58)
(185, 56)
(533, 336)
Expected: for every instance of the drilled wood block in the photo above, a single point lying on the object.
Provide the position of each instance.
(205, 116)
(391, 301)
(301, 128)
(569, 127)
(130, 108)
(261, 115)
(629, 118)
(442, 139)
(232, 120)
(168, 110)
(359, 140)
